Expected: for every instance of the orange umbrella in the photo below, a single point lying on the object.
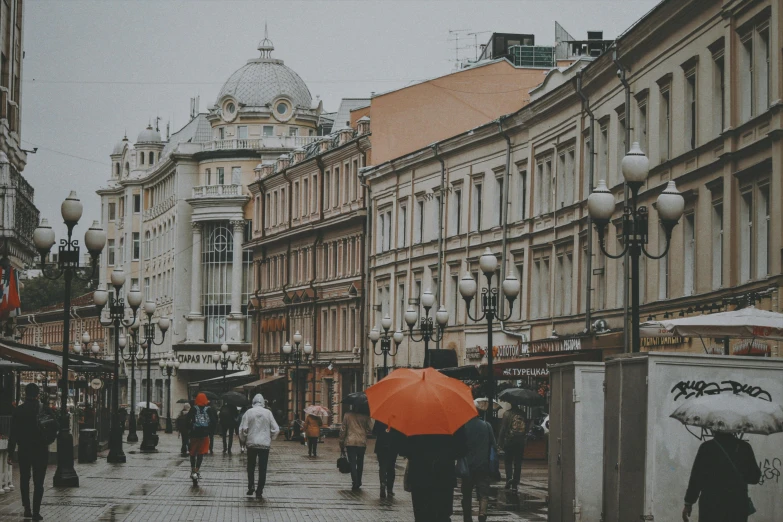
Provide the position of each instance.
(421, 402)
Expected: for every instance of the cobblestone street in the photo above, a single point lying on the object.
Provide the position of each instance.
(156, 486)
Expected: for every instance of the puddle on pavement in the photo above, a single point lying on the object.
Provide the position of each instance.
(143, 489)
(116, 512)
(163, 473)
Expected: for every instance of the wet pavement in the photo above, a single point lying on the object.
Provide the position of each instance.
(156, 486)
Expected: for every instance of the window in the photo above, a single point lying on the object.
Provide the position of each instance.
(141, 158)
(419, 222)
(305, 197)
(621, 146)
(134, 282)
(136, 203)
(147, 245)
(336, 179)
(146, 288)
(642, 125)
(763, 240)
(747, 83)
(236, 175)
(664, 138)
(242, 132)
(402, 225)
(746, 236)
(570, 177)
(690, 109)
(295, 202)
(388, 232)
(293, 131)
(520, 270)
(221, 133)
(663, 266)
(327, 190)
(689, 236)
(763, 68)
(563, 281)
(540, 292)
(381, 232)
(603, 155)
(268, 131)
(220, 173)
(152, 158)
(110, 251)
(478, 205)
(500, 201)
(561, 180)
(717, 244)
(521, 194)
(136, 246)
(112, 211)
(586, 161)
(718, 93)
(457, 210)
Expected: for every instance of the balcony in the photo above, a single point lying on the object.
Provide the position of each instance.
(267, 142)
(217, 191)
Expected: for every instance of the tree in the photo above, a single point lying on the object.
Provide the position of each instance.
(39, 292)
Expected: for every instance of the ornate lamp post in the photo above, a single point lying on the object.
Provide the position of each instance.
(601, 205)
(294, 355)
(93, 351)
(489, 306)
(427, 330)
(168, 367)
(223, 358)
(68, 267)
(386, 341)
(117, 319)
(135, 353)
(149, 438)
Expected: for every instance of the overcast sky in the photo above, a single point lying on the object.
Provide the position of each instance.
(96, 69)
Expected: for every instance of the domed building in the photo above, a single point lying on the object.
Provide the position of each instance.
(177, 211)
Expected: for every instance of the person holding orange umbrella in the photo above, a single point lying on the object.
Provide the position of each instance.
(431, 409)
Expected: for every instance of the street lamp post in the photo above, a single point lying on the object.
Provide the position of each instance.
(386, 341)
(149, 439)
(223, 358)
(601, 205)
(93, 351)
(427, 330)
(168, 367)
(490, 311)
(293, 354)
(68, 261)
(135, 353)
(117, 319)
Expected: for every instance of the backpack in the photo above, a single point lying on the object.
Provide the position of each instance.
(201, 419)
(47, 425)
(516, 431)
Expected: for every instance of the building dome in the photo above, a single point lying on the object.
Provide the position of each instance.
(119, 147)
(264, 80)
(149, 135)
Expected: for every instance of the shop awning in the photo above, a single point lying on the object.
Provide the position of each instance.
(469, 372)
(35, 358)
(537, 365)
(216, 383)
(261, 382)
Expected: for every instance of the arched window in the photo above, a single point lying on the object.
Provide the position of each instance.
(141, 158)
(117, 169)
(152, 158)
(127, 168)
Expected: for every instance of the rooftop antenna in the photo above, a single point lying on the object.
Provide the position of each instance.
(157, 120)
(475, 41)
(454, 36)
(168, 130)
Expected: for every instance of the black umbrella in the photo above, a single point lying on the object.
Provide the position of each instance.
(358, 402)
(212, 396)
(522, 397)
(183, 401)
(233, 398)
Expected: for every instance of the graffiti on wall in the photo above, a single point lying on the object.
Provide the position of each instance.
(690, 389)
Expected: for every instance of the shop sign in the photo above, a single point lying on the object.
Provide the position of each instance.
(524, 348)
(96, 384)
(195, 360)
(652, 342)
(751, 347)
(516, 373)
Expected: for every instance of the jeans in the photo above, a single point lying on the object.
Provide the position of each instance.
(480, 481)
(356, 460)
(32, 463)
(263, 459)
(386, 471)
(312, 446)
(230, 433)
(432, 504)
(513, 460)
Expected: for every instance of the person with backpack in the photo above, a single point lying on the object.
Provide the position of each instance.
(33, 428)
(511, 439)
(183, 427)
(201, 418)
(257, 431)
(227, 416)
(213, 425)
(476, 472)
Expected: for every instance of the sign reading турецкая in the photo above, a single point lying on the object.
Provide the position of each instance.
(195, 360)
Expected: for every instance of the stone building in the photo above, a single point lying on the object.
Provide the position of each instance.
(706, 85)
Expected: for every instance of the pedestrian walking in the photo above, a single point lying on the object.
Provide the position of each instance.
(480, 440)
(212, 427)
(228, 417)
(312, 428)
(257, 431)
(33, 428)
(430, 476)
(387, 444)
(242, 410)
(200, 419)
(722, 470)
(183, 427)
(353, 441)
(511, 439)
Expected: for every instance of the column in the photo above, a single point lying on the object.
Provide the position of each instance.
(236, 271)
(195, 288)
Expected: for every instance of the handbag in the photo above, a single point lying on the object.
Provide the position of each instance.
(343, 465)
(751, 509)
(494, 460)
(406, 483)
(462, 469)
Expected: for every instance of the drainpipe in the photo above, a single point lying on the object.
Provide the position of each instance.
(621, 73)
(439, 158)
(589, 275)
(504, 222)
(366, 265)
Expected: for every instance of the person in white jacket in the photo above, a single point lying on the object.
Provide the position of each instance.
(257, 431)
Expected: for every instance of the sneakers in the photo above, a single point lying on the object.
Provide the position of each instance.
(259, 494)
(194, 477)
(250, 491)
(28, 513)
(37, 516)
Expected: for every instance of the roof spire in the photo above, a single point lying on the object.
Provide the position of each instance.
(266, 46)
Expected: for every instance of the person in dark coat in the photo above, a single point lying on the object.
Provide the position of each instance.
(431, 473)
(213, 416)
(228, 418)
(33, 451)
(723, 468)
(511, 440)
(480, 439)
(183, 427)
(387, 445)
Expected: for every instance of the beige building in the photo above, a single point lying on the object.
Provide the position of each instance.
(706, 93)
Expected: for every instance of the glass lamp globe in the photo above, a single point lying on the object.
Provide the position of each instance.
(216, 357)
(442, 316)
(134, 297)
(150, 307)
(95, 348)
(488, 262)
(670, 204)
(95, 238)
(43, 236)
(411, 316)
(375, 334)
(86, 337)
(164, 323)
(176, 363)
(600, 203)
(77, 348)
(162, 364)
(427, 299)
(635, 166)
(100, 297)
(287, 348)
(297, 338)
(232, 357)
(308, 348)
(398, 337)
(122, 341)
(170, 363)
(467, 287)
(511, 287)
(386, 322)
(224, 347)
(71, 209)
(118, 277)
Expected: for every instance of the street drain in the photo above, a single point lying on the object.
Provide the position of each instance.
(116, 512)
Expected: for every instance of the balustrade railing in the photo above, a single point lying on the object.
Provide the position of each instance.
(267, 142)
(212, 191)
